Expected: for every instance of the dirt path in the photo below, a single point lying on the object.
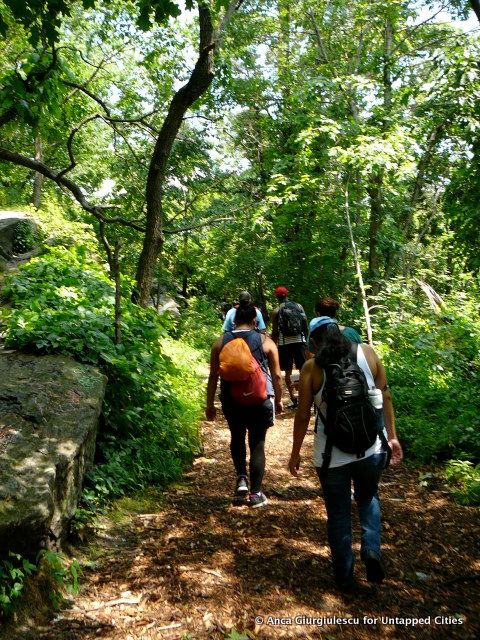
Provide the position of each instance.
(200, 566)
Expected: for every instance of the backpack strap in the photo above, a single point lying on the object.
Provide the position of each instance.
(354, 352)
(227, 337)
(381, 435)
(327, 452)
(255, 341)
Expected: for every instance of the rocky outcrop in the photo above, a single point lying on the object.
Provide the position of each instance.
(49, 411)
(8, 225)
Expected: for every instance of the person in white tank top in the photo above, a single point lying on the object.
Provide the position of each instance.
(328, 344)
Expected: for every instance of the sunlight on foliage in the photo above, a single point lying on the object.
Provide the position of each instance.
(433, 364)
(61, 578)
(465, 478)
(200, 324)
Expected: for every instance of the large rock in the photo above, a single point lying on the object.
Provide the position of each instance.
(8, 223)
(49, 410)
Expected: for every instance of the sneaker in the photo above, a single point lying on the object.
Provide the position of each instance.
(293, 404)
(375, 571)
(241, 488)
(258, 500)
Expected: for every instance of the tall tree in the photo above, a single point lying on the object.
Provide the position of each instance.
(43, 20)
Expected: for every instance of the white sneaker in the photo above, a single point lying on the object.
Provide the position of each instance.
(258, 500)
(241, 488)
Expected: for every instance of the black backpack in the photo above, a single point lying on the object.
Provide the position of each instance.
(351, 422)
(291, 319)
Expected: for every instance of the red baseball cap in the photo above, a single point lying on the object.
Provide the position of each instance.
(281, 292)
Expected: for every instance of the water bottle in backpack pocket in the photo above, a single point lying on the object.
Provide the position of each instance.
(376, 398)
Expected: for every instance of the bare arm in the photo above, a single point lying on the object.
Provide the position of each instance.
(270, 348)
(302, 416)
(275, 325)
(210, 410)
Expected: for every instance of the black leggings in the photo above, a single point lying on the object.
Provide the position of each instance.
(256, 444)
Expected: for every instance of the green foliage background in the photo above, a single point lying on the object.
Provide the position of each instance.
(304, 122)
(63, 302)
(433, 363)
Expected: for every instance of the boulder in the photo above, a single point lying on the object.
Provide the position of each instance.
(168, 305)
(8, 222)
(49, 411)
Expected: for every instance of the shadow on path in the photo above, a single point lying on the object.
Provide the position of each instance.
(201, 566)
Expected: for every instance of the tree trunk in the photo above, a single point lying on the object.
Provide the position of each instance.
(375, 194)
(358, 268)
(200, 79)
(387, 72)
(417, 193)
(476, 7)
(185, 266)
(38, 178)
(376, 182)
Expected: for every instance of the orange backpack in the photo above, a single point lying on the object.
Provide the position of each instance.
(245, 377)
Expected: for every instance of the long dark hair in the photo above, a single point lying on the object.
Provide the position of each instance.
(333, 346)
(246, 312)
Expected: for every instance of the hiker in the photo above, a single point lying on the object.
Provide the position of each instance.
(289, 332)
(328, 307)
(336, 468)
(230, 322)
(242, 418)
(224, 308)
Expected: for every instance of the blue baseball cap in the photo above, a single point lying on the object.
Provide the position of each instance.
(315, 323)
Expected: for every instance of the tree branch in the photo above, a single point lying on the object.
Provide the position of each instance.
(72, 135)
(219, 31)
(140, 119)
(197, 226)
(87, 92)
(75, 190)
(476, 7)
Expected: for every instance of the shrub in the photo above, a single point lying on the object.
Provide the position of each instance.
(13, 573)
(23, 237)
(200, 324)
(465, 480)
(433, 361)
(63, 303)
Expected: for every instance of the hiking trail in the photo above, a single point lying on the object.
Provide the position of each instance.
(199, 566)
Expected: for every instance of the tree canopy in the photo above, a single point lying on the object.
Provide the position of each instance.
(223, 143)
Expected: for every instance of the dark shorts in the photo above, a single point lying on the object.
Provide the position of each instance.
(250, 416)
(292, 353)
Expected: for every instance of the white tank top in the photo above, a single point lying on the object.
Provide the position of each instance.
(340, 458)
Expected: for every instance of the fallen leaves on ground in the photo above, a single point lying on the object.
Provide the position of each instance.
(204, 568)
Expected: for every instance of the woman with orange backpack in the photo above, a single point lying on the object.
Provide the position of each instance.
(250, 393)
